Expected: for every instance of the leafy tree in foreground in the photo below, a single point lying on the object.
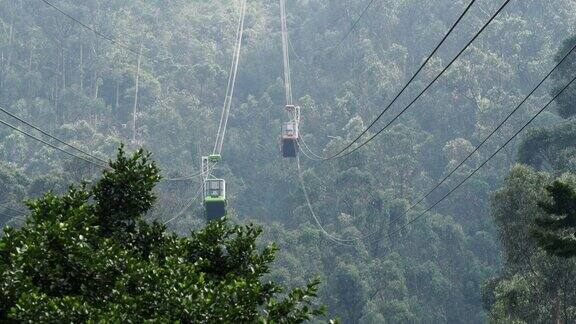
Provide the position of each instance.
(89, 256)
(555, 232)
(533, 286)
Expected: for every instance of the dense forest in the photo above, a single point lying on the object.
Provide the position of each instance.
(154, 75)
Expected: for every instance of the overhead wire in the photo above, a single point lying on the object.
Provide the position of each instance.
(225, 109)
(185, 209)
(341, 153)
(186, 178)
(407, 84)
(22, 215)
(5, 215)
(100, 34)
(489, 136)
(294, 50)
(166, 61)
(113, 41)
(51, 145)
(12, 219)
(289, 101)
(196, 196)
(347, 241)
(449, 193)
(310, 153)
(353, 26)
(128, 48)
(3, 206)
(337, 240)
(48, 144)
(411, 80)
(52, 136)
(286, 54)
(230, 74)
(307, 152)
(231, 81)
(225, 115)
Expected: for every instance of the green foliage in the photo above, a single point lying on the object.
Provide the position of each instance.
(555, 232)
(550, 148)
(566, 103)
(347, 292)
(125, 194)
(534, 286)
(89, 256)
(80, 87)
(534, 212)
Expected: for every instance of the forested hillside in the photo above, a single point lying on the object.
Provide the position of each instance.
(168, 61)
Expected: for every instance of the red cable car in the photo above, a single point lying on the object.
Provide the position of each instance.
(289, 136)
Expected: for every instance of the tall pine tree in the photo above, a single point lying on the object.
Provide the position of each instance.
(555, 232)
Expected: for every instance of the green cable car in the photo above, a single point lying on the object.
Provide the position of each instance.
(215, 206)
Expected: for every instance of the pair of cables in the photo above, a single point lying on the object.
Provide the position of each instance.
(77, 153)
(350, 148)
(231, 81)
(219, 143)
(490, 135)
(420, 215)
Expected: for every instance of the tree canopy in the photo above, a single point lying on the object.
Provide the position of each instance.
(79, 86)
(555, 232)
(90, 256)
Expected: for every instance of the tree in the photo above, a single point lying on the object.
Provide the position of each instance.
(549, 148)
(555, 231)
(566, 106)
(347, 292)
(534, 286)
(89, 255)
(80, 87)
